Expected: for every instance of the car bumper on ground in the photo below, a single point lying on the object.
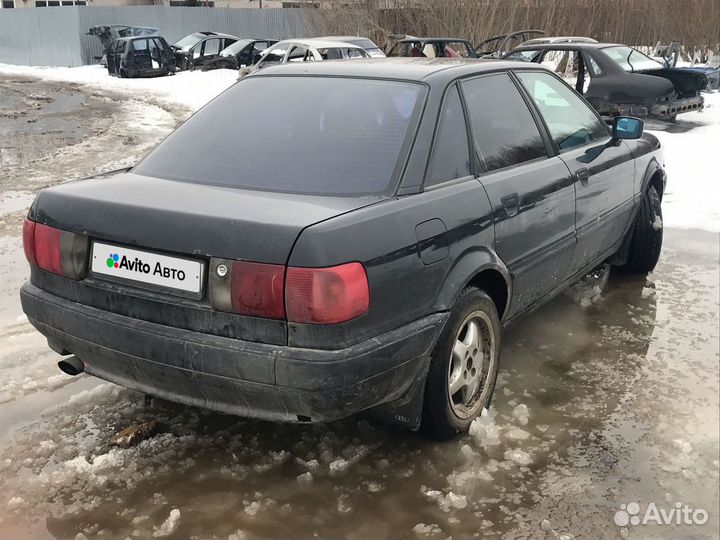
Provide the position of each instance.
(249, 379)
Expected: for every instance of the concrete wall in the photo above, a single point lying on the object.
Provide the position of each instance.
(57, 36)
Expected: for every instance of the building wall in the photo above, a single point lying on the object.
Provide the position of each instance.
(57, 36)
(238, 4)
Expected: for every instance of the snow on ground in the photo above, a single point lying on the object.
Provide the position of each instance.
(192, 89)
(692, 198)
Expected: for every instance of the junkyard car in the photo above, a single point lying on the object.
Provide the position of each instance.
(354, 241)
(432, 48)
(197, 50)
(108, 33)
(305, 50)
(370, 46)
(140, 57)
(497, 46)
(617, 79)
(240, 54)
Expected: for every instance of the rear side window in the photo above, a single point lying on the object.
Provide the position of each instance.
(451, 153)
(503, 128)
(140, 45)
(569, 119)
(315, 135)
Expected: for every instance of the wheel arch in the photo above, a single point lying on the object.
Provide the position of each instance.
(481, 269)
(654, 176)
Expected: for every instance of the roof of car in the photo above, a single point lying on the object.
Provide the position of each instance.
(574, 45)
(413, 69)
(218, 34)
(318, 42)
(410, 39)
(135, 38)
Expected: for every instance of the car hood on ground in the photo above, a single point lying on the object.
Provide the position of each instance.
(188, 218)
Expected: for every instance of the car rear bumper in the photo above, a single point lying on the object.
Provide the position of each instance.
(245, 378)
(679, 106)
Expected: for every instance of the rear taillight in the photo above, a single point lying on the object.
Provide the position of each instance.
(60, 252)
(47, 249)
(326, 295)
(257, 289)
(302, 295)
(248, 288)
(29, 241)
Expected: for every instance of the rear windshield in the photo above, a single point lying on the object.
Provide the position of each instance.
(314, 135)
(631, 59)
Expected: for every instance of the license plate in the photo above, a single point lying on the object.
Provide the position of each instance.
(147, 267)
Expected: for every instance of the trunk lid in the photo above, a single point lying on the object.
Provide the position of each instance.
(186, 220)
(195, 220)
(686, 83)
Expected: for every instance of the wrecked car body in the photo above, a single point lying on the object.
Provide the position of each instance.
(107, 34)
(415, 47)
(496, 46)
(140, 57)
(304, 50)
(617, 79)
(200, 49)
(670, 54)
(242, 53)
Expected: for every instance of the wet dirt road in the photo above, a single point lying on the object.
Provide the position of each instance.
(607, 396)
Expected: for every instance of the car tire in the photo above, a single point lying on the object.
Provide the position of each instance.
(463, 367)
(647, 235)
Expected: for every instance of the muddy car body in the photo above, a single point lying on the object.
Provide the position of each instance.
(617, 79)
(315, 259)
(200, 49)
(149, 56)
(441, 47)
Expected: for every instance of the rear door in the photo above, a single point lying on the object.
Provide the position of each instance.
(141, 55)
(603, 170)
(530, 190)
(210, 50)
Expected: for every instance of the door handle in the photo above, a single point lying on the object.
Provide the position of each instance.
(511, 203)
(583, 175)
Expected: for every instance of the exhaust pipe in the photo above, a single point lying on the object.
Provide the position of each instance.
(71, 365)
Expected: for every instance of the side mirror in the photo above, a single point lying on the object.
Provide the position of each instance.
(627, 127)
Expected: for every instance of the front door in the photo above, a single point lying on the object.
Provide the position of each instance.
(603, 169)
(531, 193)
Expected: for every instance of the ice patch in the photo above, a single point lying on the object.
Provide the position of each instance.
(169, 526)
(484, 430)
(521, 412)
(518, 456)
(426, 530)
(517, 434)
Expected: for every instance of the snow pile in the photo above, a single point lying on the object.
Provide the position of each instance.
(192, 89)
(693, 190)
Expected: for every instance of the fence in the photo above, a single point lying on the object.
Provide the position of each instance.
(57, 36)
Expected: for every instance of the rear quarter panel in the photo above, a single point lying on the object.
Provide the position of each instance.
(403, 287)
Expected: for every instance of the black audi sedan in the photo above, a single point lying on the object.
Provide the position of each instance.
(354, 242)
